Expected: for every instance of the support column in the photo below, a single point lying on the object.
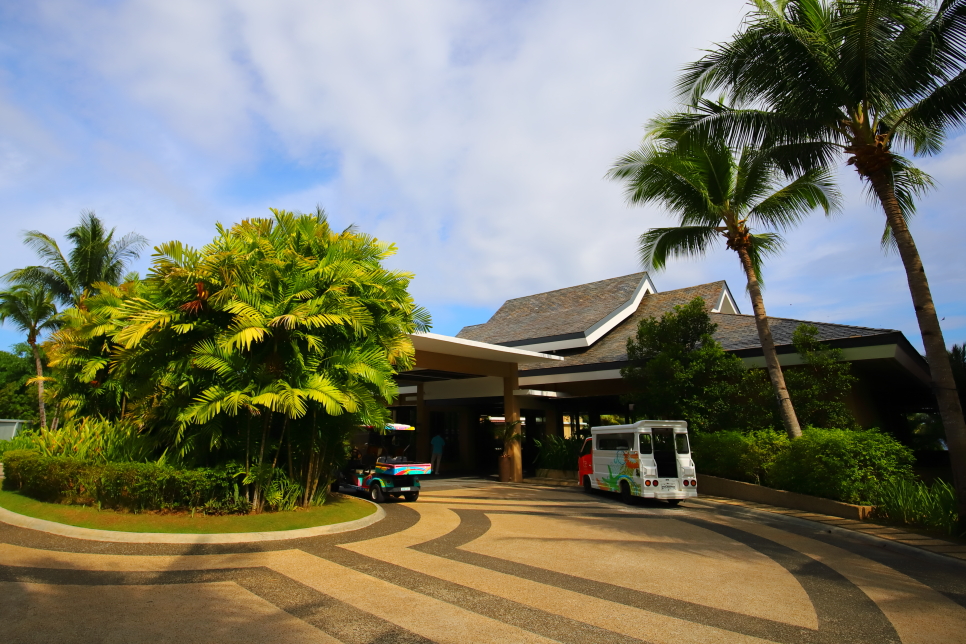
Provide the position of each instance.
(511, 411)
(422, 426)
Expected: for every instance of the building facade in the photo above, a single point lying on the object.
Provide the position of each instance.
(578, 337)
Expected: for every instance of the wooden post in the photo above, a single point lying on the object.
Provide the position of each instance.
(511, 411)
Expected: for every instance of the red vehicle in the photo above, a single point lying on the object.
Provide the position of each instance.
(650, 459)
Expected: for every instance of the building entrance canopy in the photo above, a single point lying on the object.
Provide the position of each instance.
(441, 358)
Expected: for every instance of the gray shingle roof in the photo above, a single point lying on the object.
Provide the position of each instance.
(613, 346)
(739, 331)
(734, 332)
(568, 310)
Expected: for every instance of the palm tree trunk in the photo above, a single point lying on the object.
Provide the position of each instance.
(943, 382)
(40, 386)
(785, 408)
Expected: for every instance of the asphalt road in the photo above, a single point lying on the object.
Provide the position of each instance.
(481, 562)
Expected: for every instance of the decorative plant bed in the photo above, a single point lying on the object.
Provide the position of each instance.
(339, 509)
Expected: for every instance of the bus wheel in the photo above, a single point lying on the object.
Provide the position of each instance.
(674, 502)
(587, 488)
(375, 493)
(626, 492)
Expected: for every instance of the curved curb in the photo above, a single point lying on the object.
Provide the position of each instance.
(90, 534)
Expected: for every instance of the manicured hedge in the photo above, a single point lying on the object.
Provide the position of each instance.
(844, 465)
(130, 486)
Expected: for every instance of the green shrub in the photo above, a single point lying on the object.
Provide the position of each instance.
(130, 486)
(841, 464)
(558, 453)
(932, 507)
(736, 455)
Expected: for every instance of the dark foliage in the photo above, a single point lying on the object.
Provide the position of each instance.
(844, 465)
(17, 399)
(679, 371)
(129, 486)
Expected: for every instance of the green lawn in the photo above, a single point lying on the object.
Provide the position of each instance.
(339, 509)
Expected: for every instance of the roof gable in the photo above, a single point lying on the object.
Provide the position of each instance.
(567, 318)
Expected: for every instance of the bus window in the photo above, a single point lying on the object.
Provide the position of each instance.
(682, 443)
(585, 448)
(663, 442)
(615, 441)
(645, 443)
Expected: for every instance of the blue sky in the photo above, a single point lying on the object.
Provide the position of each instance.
(474, 135)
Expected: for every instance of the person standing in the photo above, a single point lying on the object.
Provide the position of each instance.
(438, 443)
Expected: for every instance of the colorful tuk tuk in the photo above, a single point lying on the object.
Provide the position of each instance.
(379, 465)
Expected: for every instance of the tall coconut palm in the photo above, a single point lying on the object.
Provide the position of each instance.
(96, 256)
(32, 310)
(714, 192)
(857, 80)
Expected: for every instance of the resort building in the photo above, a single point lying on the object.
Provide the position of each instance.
(554, 360)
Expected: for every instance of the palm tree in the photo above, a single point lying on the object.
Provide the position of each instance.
(822, 78)
(32, 310)
(717, 192)
(95, 257)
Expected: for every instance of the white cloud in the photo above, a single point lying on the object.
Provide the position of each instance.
(473, 134)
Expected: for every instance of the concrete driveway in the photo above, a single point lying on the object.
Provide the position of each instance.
(482, 562)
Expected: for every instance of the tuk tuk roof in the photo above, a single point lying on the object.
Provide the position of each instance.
(392, 427)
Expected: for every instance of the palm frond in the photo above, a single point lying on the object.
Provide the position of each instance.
(789, 205)
(763, 245)
(658, 245)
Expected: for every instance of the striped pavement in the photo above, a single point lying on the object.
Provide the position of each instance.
(484, 562)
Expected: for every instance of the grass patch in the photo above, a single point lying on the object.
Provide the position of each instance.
(339, 509)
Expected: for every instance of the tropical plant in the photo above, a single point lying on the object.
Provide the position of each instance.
(95, 257)
(916, 503)
(93, 440)
(558, 453)
(81, 354)
(31, 309)
(508, 434)
(716, 192)
(817, 79)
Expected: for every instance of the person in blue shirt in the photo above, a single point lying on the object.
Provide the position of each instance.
(438, 443)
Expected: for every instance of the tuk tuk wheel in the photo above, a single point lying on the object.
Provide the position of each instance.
(626, 492)
(411, 496)
(375, 493)
(587, 488)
